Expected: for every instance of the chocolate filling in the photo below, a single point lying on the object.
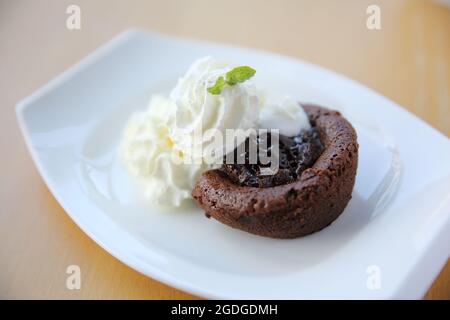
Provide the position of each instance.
(296, 154)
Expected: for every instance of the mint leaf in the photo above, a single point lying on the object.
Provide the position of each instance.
(239, 74)
(232, 77)
(218, 86)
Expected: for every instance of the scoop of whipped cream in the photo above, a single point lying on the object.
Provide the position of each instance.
(164, 145)
(283, 113)
(200, 114)
(148, 152)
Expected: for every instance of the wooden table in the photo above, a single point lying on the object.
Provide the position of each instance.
(408, 60)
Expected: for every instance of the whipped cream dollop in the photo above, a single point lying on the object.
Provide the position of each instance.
(148, 152)
(283, 113)
(200, 114)
(164, 145)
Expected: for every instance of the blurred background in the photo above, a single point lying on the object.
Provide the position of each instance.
(407, 60)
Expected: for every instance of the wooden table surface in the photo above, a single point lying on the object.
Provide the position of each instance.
(408, 60)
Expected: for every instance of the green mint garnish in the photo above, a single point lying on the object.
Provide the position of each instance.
(232, 77)
(218, 86)
(239, 74)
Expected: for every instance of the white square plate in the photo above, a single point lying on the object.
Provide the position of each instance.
(390, 242)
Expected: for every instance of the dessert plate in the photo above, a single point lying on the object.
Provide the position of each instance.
(390, 242)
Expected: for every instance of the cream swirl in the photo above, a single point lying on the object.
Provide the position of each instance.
(148, 152)
(200, 115)
(283, 113)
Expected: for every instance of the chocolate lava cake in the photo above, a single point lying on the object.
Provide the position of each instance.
(312, 187)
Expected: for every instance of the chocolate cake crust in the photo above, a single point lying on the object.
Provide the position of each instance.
(318, 196)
